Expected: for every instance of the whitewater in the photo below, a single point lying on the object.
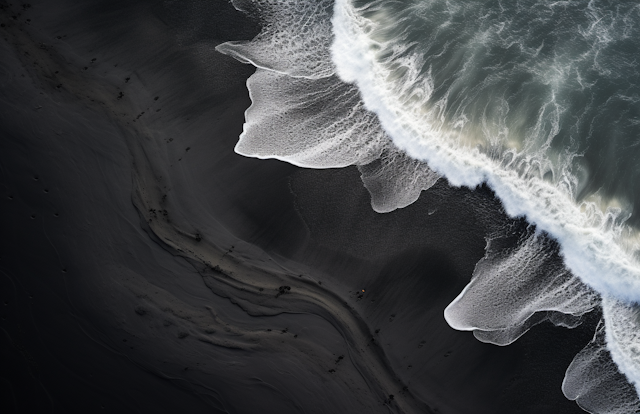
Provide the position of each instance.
(510, 95)
(595, 245)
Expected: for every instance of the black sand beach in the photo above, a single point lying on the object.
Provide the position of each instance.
(146, 267)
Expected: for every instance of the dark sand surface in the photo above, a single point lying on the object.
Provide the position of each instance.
(142, 259)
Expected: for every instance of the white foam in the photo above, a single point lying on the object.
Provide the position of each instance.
(594, 242)
(592, 248)
(622, 322)
(395, 181)
(312, 123)
(595, 383)
(293, 38)
(516, 287)
(301, 113)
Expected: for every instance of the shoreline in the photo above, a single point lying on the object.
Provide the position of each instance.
(315, 222)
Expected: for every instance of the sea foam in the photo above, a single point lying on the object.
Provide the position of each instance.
(303, 114)
(594, 382)
(591, 240)
(515, 288)
(594, 241)
(351, 94)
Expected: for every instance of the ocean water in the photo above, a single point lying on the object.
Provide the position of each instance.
(538, 99)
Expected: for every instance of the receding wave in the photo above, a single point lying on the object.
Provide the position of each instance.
(516, 287)
(593, 380)
(540, 100)
(433, 75)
